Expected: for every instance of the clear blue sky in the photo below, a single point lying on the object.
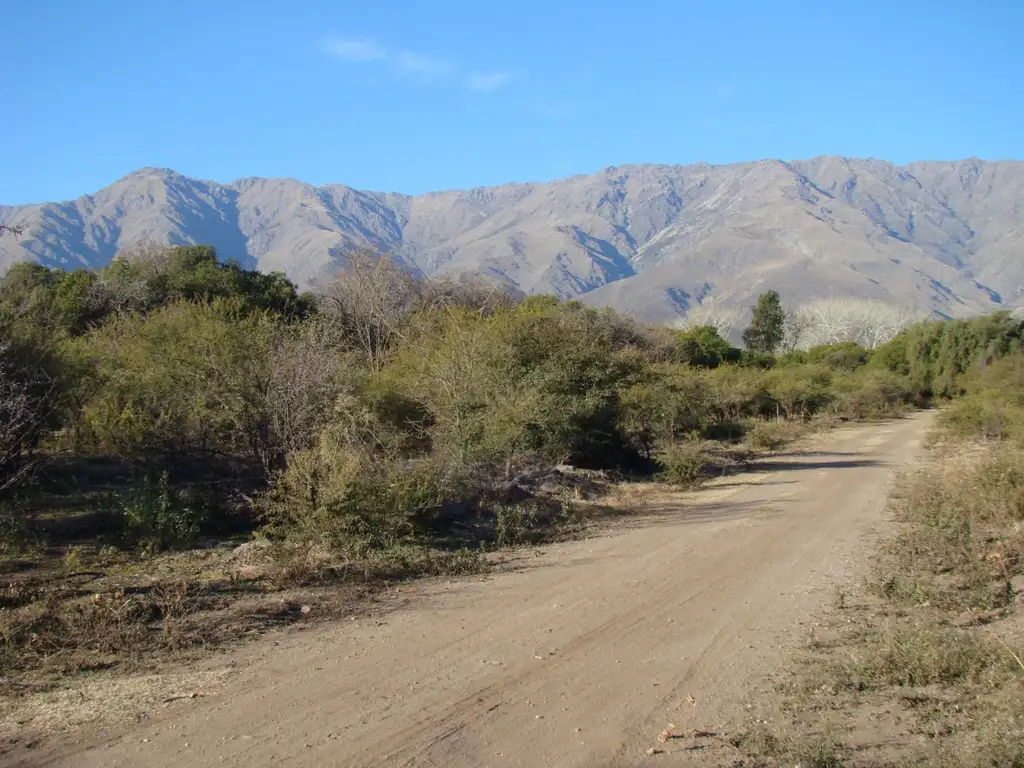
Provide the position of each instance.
(413, 96)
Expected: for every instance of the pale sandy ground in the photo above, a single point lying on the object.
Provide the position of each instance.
(580, 656)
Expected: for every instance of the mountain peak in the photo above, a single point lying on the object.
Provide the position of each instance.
(651, 239)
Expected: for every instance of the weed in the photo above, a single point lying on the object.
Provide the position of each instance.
(160, 517)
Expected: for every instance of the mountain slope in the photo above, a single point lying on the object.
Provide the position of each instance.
(943, 237)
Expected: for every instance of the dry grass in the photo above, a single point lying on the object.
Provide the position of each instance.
(962, 541)
(926, 666)
(102, 700)
(819, 748)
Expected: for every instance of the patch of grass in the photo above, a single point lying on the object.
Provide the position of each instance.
(962, 544)
(816, 749)
(917, 651)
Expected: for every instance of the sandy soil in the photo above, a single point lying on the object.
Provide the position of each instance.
(581, 655)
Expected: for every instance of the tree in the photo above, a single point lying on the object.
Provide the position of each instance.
(865, 322)
(371, 300)
(708, 314)
(767, 324)
(702, 347)
(9, 228)
(27, 401)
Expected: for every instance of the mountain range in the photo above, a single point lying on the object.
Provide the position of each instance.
(943, 238)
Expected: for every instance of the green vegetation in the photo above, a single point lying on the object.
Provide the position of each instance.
(387, 426)
(767, 324)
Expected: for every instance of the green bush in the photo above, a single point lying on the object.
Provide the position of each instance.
(872, 394)
(848, 356)
(773, 435)
(993, 406)
(540, 381)
(799, 393)
(702, 347)
(344, 500)
(158, 517)
(684, 463)
(670, 402)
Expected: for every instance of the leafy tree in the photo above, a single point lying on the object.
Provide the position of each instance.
(845, 356)
(767, 324)
(187, 382)
(703, 347)
(799, 392)
(50, 300)
(147, 278)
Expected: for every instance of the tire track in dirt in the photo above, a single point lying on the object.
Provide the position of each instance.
(579, 659)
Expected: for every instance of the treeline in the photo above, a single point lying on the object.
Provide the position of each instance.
(219, 398)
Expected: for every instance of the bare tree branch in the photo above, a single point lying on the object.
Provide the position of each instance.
(723, 319)
(866, 322)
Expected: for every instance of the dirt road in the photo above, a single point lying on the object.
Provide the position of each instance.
(579, 658)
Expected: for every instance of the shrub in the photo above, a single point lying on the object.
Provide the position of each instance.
(671, 402)
(772, 435)
(872, 394)
(684, 462)
(512, 522)
(159, 517)
(336, 497)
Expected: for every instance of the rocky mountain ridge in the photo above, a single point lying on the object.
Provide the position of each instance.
(940, 237)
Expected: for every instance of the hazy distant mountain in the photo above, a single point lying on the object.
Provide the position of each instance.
(944, 237)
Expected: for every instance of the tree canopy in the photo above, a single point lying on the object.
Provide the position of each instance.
(767, 324)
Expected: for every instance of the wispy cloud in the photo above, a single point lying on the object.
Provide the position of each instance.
(420, 64)
(354, 50)
(411, 63)
(485, 82)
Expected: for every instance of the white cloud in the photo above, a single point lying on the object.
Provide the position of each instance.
(411, 63)
(355, 50)
(489, 81)
(420, 64)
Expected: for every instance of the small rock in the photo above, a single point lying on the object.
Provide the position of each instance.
(654, 751)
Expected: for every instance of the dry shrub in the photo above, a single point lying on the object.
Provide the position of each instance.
(684, 463)
(962, 543)
(49, 631)
(775, 435)
(353, 503)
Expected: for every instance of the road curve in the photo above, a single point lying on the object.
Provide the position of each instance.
(579, 658)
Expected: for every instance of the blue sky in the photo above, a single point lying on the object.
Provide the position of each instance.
(415, 96)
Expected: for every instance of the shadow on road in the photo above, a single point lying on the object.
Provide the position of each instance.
(788, 466)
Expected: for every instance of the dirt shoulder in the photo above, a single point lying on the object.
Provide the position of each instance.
(582, 654)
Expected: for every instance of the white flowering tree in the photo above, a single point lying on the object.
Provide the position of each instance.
(866, 322)
(722, 319)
